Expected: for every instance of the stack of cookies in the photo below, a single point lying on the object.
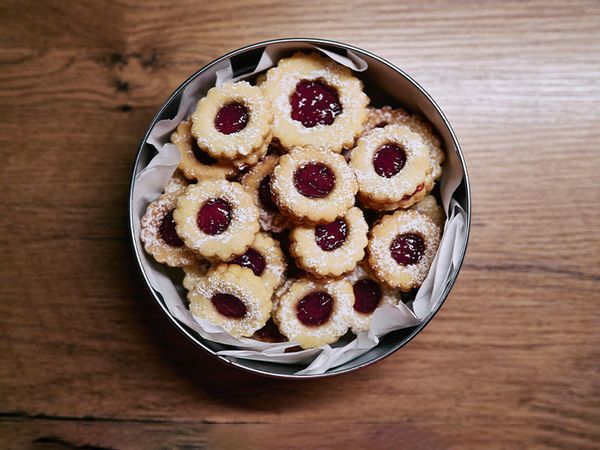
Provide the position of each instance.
(297, 210)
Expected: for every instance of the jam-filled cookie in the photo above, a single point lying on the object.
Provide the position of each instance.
(233, 121)
(381, 117)
(266, 260)
(216, 218)
(392, 168)
(194, 273)
(315, 102)
(314, 313)
(177, 182)
(258, 182)
(195, 163)
(402, 247)
(331, 249)
(429, 207)
(369, 294)
(313, 186)
(233, 298)
(159, 236)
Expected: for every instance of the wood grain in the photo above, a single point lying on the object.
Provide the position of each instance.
(512, 359)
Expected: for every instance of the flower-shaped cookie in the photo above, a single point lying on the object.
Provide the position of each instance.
(392, 168)
(314, 313)
(315, 102)
(159, 236)
(313, 186)
(430, 208)
(233, 298)
(331, 249)
(216, 218)
(402, 248)
(233, 121)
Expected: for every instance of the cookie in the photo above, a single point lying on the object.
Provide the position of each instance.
(316, 102)
(392, 168)
(266, 260)
(159, 236)
(233, 298)
(258, 182)
(430, 208)
(216, 218)
(329, 250)
(177, 182)
(381, 117)
(402, 247)
(195, 163)
(313, 186)
(314, 313)
(369, 294)
(233, 121)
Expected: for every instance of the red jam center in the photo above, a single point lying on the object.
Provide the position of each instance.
(367, 295)
(214, 216)
(315, 103)
(315, 309)
(167, 232)
(231, 118)
(314, 180)
(264, 194)
(407, 248)
(331, 236)
(201, 155)
(252, 260)
(389, 160)
(229, 305)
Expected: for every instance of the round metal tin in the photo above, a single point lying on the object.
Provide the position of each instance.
(417, 99)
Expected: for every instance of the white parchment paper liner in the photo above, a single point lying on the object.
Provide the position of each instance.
(150, 183)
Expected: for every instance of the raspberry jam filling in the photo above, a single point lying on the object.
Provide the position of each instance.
(214, 216)
(367, 295)
(200, 155)
(331, 236)
(389, 160)
(167, 232)
(315, 308)
(315, 103)
(229, 305)
(252, 260)
(231, 118)
(314, 180)
(419, 188)
(265, 196)
(407, 248)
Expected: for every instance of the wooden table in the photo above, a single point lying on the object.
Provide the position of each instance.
(512, 359)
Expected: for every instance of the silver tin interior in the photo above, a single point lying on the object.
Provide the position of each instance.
(400, 88)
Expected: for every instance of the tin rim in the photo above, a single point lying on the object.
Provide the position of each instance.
(185, 330)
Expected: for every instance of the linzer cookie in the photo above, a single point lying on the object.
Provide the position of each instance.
(381, 117)
(233, 298)
(402, 247)
(313, 186)
(430, 208)
(258, 182)
(392, 168)
(316, 102)
(216, 218)
(233, 122)
(159, 235)
(329, 250)
(195, 163)
(177, 182)
(265, 258)
(314, 313)
(369, 294)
